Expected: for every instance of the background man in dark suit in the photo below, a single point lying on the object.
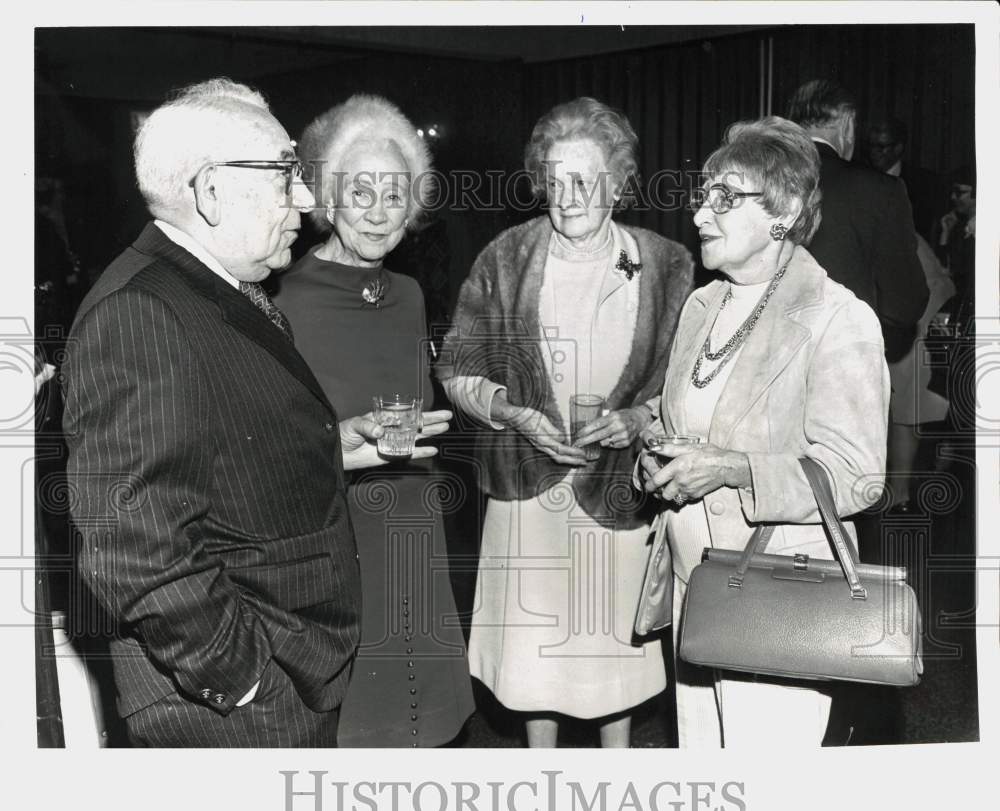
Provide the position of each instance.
(206, 461)
(866, 239)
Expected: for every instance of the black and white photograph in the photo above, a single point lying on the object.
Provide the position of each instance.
(506, 376)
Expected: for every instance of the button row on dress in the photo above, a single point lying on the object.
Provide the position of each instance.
(408, 637)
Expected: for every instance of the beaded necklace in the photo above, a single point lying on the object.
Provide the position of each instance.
(726, 353)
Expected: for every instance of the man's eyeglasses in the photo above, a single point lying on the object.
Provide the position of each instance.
(719, 196)
(291, 169)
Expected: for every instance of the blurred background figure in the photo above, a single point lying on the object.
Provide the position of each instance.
(954, 241)
(887, 141)
(913, 401)
(565, 304)
(362, 330)
(58, 283)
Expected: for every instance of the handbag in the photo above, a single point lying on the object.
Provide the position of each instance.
(781, 615)
(656, 602)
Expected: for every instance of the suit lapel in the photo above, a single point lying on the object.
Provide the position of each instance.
(773, 343)
(236, 309)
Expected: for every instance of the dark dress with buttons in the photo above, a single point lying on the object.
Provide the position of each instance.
(410, 684)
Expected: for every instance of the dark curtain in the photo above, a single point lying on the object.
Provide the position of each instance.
(923, 75)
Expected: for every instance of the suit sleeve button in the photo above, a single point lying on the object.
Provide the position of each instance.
(205, 693)
(219, 698)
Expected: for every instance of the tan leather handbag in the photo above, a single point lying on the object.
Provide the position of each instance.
(792, 616)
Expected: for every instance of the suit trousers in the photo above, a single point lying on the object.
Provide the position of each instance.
(743, 711)
(276, 717)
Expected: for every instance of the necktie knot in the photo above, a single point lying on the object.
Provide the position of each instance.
(262, 302)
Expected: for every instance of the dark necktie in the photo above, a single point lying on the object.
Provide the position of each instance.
(256, 294)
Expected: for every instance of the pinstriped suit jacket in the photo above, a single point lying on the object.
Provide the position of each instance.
(208, 488)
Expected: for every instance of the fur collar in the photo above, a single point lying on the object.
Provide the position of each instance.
(495, 334)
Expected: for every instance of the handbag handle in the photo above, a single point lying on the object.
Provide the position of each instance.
(820, 484)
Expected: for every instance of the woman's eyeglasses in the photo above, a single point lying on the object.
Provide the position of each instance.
(719, 196)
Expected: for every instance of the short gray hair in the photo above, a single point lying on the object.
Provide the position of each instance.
(586, 118)
(781, 160)
(366, 119)
(193, 128)
(820, 102)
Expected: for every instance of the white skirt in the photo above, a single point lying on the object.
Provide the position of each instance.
(556, 599)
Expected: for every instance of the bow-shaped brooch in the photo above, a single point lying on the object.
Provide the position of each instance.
(627, 266)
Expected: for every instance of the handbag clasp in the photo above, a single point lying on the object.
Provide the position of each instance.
(800, 562)
(735, 581)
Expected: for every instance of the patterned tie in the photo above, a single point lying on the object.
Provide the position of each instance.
(256, 294)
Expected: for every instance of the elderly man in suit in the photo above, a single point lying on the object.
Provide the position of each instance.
(206, 464)
(866, 240)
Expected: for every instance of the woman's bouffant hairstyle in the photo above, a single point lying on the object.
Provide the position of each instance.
(587, 118)
(364, 118)
(780, 160)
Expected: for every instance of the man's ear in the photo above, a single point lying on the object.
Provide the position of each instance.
(206, 195)
(846, 127)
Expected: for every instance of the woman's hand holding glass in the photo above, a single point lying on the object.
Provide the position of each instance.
(537, 429)
(693, 472)
(616, 429)
(359, 437)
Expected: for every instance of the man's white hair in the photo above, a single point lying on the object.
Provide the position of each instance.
(365, 119)
(200, 124)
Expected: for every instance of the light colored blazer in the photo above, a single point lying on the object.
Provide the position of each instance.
(811, 380)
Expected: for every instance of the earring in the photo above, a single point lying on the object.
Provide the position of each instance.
(778, 231)
(331, 215)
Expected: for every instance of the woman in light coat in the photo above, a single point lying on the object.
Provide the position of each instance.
(771, 363)
(566, 303)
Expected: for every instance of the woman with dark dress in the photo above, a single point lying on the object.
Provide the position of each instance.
(362, 330)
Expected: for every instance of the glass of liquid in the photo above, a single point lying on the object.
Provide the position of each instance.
(584, 408)
(663, 445)
(400, 417)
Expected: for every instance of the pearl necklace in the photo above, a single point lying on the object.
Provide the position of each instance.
(727, 352)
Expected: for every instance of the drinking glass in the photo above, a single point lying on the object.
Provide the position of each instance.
(582, 409)
(663, 445)
(400, 417)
